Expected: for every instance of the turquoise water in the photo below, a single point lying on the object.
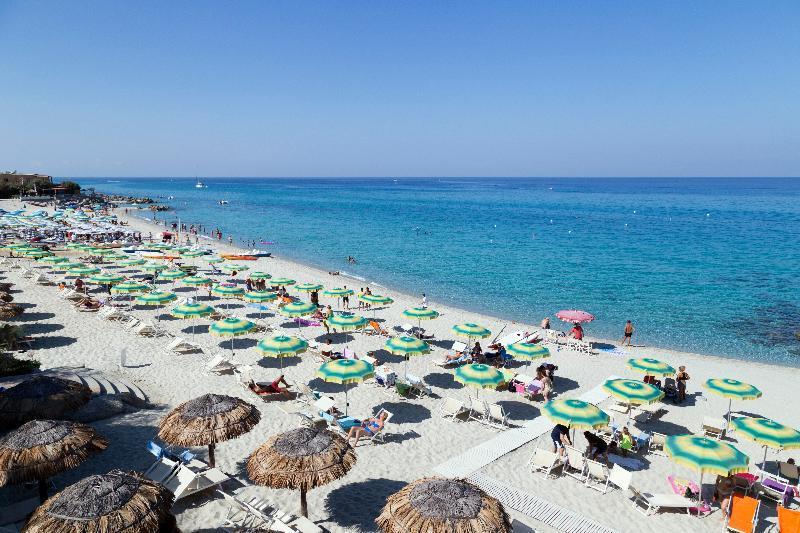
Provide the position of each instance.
(707, 265)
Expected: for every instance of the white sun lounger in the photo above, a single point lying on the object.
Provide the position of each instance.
(451, 408)
(576, 463)
(192, 478)
(220, 364)
(161, 470)
(544, 461)
(496, 416)
(597, 475)
(180, 345)
(649, 504)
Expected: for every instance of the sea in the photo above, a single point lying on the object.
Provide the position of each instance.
(698, 264)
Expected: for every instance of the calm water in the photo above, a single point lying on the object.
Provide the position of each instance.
(708, 265)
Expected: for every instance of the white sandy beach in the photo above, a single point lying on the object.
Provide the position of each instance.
(419, 439)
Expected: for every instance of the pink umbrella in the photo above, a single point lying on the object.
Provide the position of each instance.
(573, 316)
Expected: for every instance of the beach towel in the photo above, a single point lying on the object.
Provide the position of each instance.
(628, 463)
(613, 351)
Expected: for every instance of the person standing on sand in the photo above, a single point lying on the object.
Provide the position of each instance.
(346, 299)
(628, 334)
(424, 301)
(681, 378)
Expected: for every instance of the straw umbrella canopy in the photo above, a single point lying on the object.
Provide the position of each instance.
(281, 346)
(207, 420)
(40, 449)
(574, 413)
(732, 390)
(301, 459)
(650, 367)
(478, 376)
(767, 433)
(117, 501)
(440, 504)
(41, 397)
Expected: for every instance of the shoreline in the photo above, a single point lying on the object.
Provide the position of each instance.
(150, 225)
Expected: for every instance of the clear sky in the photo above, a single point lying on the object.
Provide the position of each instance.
(379, 88)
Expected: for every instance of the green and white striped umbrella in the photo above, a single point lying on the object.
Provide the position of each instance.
(282, 346)
(233, 267)
(160, 246)
(257, 275)
(308, 287)
(106, 279)
(102, 251)
(116, 258)
(420, 314)
(38, 254)
(196, 281)
(227, 291)
(53, 260)
(130, 287)
(375, 299)
(132, 262)
(156, 298)
(767, 433)
(650, 367)
(337, 292)
(575, 414)
(298, 309)
(191, 310)
(213, 259)
(479, 376)
(192, 253)
(346, 322)
(470, 330)
(345, 371)
(407, 346)
(732, 389)
(66, 266)
(231, 327)
(172, 275)
(153, 267)
(277, 282)
(258, 297)
(527, 351)
(633, 392)
(704, 455)
(20, 247)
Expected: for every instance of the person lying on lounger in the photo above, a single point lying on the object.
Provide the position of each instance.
(88, 303)
(272, 388)
(453, 357)
(368, 427)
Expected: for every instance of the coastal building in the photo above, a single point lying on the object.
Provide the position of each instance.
(23, 181)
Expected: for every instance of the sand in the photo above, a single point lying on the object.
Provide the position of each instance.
(419, 438)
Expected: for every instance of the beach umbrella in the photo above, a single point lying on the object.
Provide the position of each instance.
(153, 268)
(259, 296)
(527, 351)
(116, 501)
(258, 275)
(407, 347)
(132, 262)
(191, 311)
(650, 367)
(207, 420)
(102, 251)
(767, 433)
(732, 390)
(231, 327)
(60, 267)
(227, 290)
(338, 293)
(575, 316)
(575, 414)
(420, 314)
(83, 270)
(130, 287)
(156, 299)
(192, 253)
(375, 299)
(633, 392)
(40, 449)
(301, 459)
(213, 259)
(233, 267)
(297, 310)
(39, 254)
(441, 504)
(41, 397)
(347, 322)
(53, 260)
(105, 278)
(706, 456)
(345, 371)
(197, 281)
(172, 274)
(470, 330)
(478, 376)
(281, 346)
(308, 287)
(282, 282)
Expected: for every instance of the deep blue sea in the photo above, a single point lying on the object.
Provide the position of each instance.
(706, 265)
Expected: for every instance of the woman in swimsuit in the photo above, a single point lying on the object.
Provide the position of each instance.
(681, 378)
(368, 427)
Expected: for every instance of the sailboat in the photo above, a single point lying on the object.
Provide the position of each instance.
(200, 184)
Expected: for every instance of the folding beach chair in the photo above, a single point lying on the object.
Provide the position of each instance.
(597, 476)
(478, 409)
(788, 520)
(496, 416)
(648, 503)
(742, 514)
(576, 463)
(452, 408)
(544, 461)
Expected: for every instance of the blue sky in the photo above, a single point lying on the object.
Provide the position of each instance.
(347, 88)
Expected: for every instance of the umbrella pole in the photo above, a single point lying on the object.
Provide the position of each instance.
(303, 503)
(730, 403)
(764, 462)
(346, 403)
(42, 490)
(211, 455)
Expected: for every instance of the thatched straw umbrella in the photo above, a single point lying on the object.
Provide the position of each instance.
(207, 420)
(41, 397)
(445, 505)
(9, 311)
(6, 297)
(303, 459)
(117, 501)
(40, 449)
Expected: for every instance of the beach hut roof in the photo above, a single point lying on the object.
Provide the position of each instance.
(117, 501)
(440, 504)
(41, 397)
(41, 449)
(209, 419)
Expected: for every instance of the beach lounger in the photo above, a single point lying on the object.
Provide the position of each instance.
(192, 478)
(220, 364)
(775, 488)
(742, 514)
(620, 478)
(418, 385)
(478, 410)
(452, 408)
(146, 329)
(649, 504)
(241, 516)
(789, 472)
(544, 461)
(376, 329)
(788, 520)
(181, 346)
(714, 427)
(617, 407)
(576, 463)
(496, 416)
(597, 476)
(648, 411)
(43, 279)
(162, 469)
(380, 436)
